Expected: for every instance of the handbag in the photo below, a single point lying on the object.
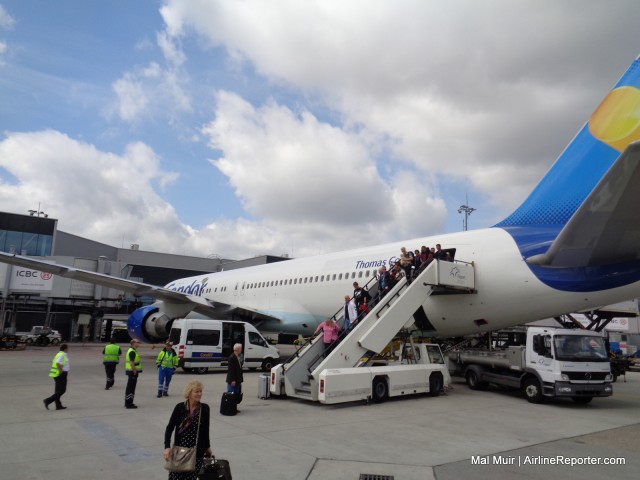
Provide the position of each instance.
(183, 459)
(214, 469)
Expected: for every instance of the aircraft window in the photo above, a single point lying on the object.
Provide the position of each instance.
(316, 279)
(353, 274)
(295, 281)
(305, 279)
(340, 277)
(236, 286)
(360, 274)
(334, 277)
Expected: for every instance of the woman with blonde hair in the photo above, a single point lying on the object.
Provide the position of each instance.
(190, 419)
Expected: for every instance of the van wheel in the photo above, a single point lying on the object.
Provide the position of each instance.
(379, 390)
(201, 370)
(435, 384)
(268, 364)
(533, 390)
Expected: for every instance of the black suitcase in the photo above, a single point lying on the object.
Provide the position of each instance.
(228, 404)
(214, 469)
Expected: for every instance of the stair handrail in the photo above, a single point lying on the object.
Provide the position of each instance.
(312, 338)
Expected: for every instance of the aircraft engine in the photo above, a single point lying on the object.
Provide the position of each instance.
(149, 324)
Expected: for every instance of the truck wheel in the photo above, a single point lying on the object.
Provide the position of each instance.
(55, 341)
(187, 369)
(435, 384)
(268, 364)
(582, 400)
(474, 382)
(29, 341)
(533, 390)
(201, 370)
(379, 390)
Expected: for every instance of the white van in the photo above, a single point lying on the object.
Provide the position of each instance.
(203, 344)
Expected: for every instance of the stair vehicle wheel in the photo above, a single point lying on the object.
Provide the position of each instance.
(473, 380)
(582, 400)
(435, 384)
(533, 390)
(379, 390)
(201, 370)
(268, 364)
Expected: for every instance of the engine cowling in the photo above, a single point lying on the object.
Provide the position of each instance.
(149, 324)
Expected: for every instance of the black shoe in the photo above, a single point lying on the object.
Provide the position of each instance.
(46, 405)
(61, 408)
(159, 395)
(131, 406)
(106, 388)
(165, 394)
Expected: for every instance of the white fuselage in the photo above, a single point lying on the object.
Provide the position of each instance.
(299, 294)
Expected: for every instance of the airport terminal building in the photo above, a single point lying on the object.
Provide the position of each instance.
(79, 310)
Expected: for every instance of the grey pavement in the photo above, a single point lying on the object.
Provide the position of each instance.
(409, 439)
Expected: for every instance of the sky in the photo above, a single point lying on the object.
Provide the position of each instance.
(247, 127)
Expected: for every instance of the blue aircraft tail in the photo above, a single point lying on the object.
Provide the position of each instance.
(609, 130)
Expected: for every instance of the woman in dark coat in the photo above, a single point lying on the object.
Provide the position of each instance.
(184, 420)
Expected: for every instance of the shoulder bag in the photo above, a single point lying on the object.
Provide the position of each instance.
(183, 459)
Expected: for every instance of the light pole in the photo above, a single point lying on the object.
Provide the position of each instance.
(466, 209)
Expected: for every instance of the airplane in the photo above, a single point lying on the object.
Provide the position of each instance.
(572, 245)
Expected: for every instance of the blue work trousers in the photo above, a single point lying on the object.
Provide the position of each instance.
(164, 379)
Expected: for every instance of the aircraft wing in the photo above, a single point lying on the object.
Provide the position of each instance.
(606, 227)
(136, 288)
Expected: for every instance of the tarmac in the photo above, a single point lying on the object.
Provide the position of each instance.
(463, 434)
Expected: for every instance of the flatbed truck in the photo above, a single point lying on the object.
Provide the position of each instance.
(552, 362)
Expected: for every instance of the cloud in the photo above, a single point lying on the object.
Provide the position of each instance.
(459, 88)
(298, 174)
(98, 195)
(6, 20)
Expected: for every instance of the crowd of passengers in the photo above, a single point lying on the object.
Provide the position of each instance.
(356, 307)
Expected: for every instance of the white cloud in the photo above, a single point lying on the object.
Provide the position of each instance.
(460, 87)
(6, 20)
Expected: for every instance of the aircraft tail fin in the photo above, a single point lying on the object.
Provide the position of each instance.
(606, 227)
(610, 129)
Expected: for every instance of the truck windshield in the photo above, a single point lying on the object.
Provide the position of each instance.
(579, 348)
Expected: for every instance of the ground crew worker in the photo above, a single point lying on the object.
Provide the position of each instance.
(167, 362)
(111, 358)
(134, 367)
(59, 372)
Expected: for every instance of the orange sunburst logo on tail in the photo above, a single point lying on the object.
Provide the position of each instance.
(616, 121)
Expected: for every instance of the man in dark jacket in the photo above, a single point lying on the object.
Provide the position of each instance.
(234, 372)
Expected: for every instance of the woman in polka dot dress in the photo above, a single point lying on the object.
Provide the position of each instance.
(184, 420)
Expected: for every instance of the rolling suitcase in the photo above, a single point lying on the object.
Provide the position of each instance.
(228, 405)
(263, 386)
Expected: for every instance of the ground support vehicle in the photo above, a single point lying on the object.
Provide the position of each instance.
(39, 335)
(552, 362)
(202, 344)
(352, 369)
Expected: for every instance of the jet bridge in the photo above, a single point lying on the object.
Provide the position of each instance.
(403, 307)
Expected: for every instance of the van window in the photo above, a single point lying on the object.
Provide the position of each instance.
(174, 337)
(203, 337)
(256, 339)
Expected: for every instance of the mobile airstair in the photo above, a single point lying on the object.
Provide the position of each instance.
(402, 308)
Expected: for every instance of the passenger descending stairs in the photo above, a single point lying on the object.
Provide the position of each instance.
(403, 307)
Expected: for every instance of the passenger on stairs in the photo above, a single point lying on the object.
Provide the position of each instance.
(350, 312)
(384, 281)
(329, 334)
(360, 295)
(406, 260)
